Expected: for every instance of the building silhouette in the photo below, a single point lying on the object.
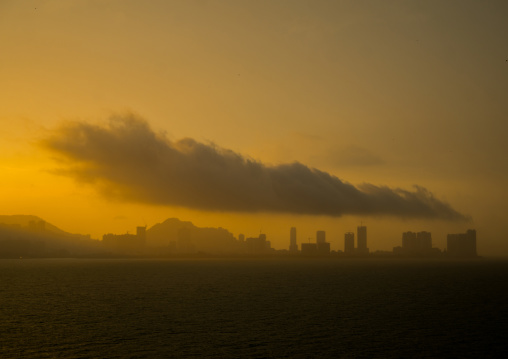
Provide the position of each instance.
(258, 245)
(349, 243)
(322, 246)
(320, 237)
(462, 244)
(126, 244)
(416, 243)
(361, 235)
(309, 249)
(293, 247)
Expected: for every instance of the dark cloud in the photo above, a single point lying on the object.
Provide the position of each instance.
(127, 160)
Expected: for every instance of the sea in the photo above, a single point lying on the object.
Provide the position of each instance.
(253, 308)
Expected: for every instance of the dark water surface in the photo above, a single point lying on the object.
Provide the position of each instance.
(255, 308)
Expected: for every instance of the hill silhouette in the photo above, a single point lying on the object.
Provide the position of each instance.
(24, 221)
(207, 239)
(31, 236)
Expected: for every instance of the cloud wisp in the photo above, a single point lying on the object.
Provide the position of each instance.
(125, 159)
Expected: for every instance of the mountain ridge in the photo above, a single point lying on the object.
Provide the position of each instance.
(24, 220)
(207, 239)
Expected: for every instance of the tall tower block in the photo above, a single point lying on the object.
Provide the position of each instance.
(349, 243)
(320, 237)
(361, 234)
(293, 247)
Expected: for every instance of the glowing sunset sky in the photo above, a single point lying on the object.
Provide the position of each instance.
(122, 113)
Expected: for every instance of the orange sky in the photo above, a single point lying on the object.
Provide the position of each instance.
(388, 93)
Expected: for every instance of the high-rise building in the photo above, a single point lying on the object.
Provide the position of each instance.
(258, 245)
(424, 240)
(320, 237)
(471, 242)
(322, 246)
(241, 237)
(131, 244)
(462, 244)
(293, 247)
(309, 249)
(349, 243)
(408, 240)
(361, 235)
(416, 243)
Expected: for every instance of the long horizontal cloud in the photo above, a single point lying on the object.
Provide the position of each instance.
(127, 160)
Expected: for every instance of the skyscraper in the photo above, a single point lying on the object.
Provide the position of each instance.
(323, 247)
(471, 242)
(462, 244)
(320, 237)
(258, 245)
(349, 243)
(361, 234)
(424, 240)
(416, 243)
(293, 247)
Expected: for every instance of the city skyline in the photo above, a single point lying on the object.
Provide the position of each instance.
(31, 236)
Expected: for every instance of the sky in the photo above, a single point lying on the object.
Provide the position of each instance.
(258, 116)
